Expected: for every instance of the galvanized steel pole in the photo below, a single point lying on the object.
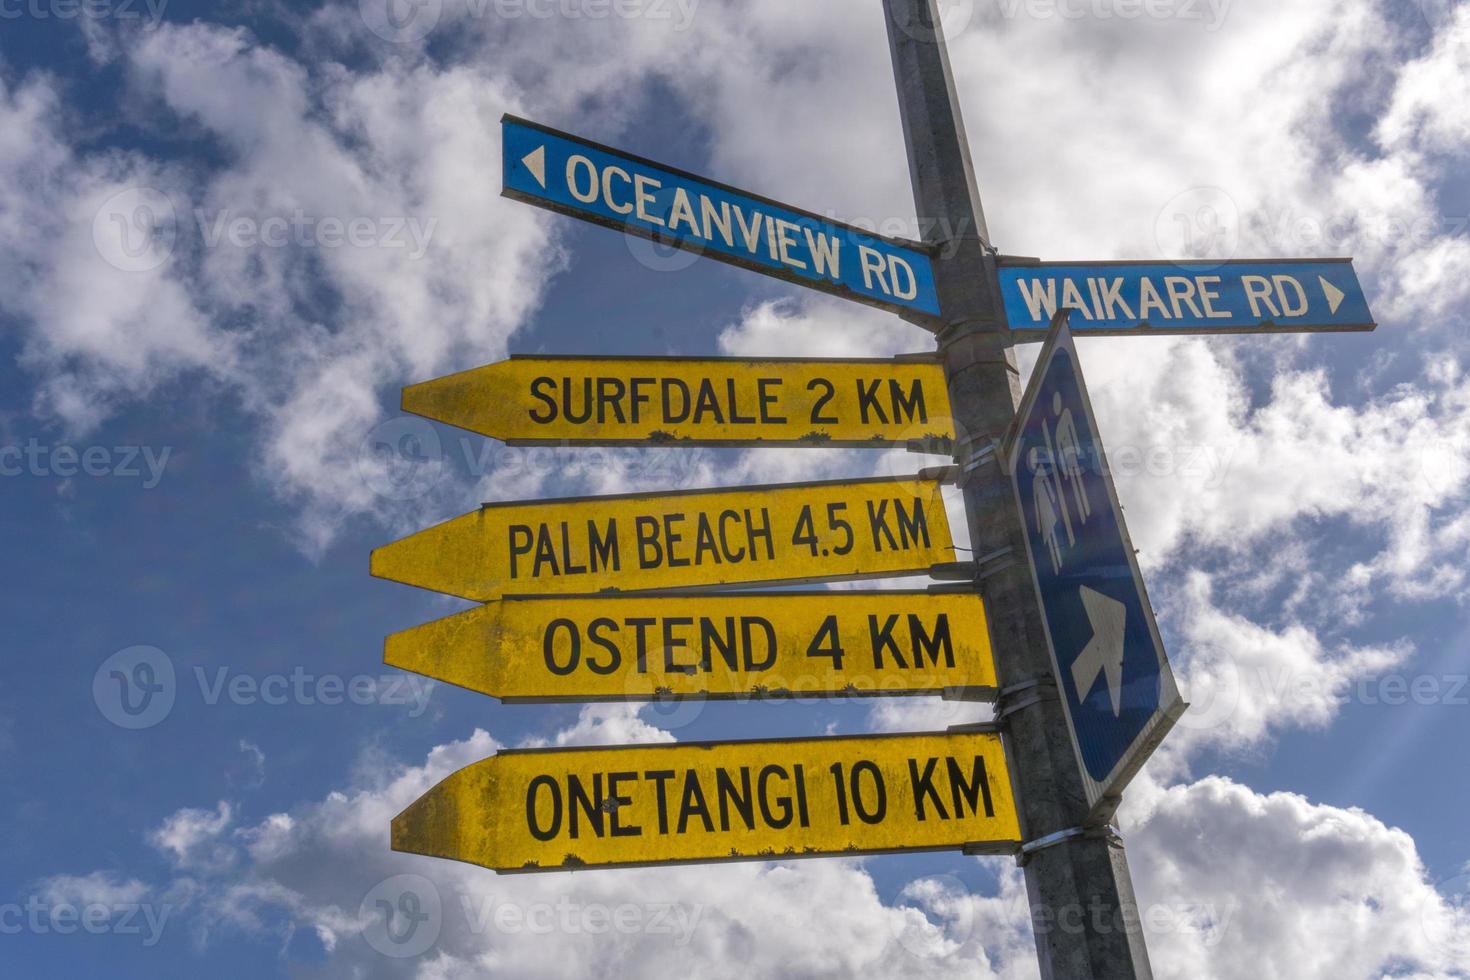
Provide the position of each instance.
(1081, 898)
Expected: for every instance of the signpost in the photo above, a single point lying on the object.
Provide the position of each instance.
(1185, 297)
(627, 193)
(569, 809)
(1052, 623)
(805, 532)
(747, 645)
(1114, 676)
(693, 401)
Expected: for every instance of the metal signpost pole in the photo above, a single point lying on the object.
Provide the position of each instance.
(1083, 910)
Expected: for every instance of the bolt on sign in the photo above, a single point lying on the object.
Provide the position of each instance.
(746, 645)
(565, 809)
(693, 401)
(576, 177)
(811, 532)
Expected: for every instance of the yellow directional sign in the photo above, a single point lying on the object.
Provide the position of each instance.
(746, 645)
(838, 530)
(565, 809)
(689, 401)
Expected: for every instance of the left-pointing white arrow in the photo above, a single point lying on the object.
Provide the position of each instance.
(535, 162)
(1104, 654)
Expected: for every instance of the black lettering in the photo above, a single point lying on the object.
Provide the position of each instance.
(531, 823)
(591, 806)
(603, 548)
(913, 528)
(548, 646)
(923, 785)
(906, 408)
(735, 417)
(650, 552)
(672, 538)
(545, 552)
(660, 777)
(731, 555)
(693, 804)
(878, 521)
(537, 393)
(754, 534)
(615, 655)
(673, 643)
(707, 402)
(711, 640)
(640, 631)
(859, 797)
(570, 567)
(615, 803)
(971, 790)
(572, 415)
(610, 392)
(520, 543)
(923, 642)
(728, 795)
(804, 818)
(768, 400)
(669, 388)
(748, 626)
(827, 643)
(783, 803)
(868, 405)
(884, 638)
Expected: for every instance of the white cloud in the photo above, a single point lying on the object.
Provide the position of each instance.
(607, 724)
(195, 839)
(97, 888)
(1252, 885)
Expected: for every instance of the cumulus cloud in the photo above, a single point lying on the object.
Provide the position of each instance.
(1243, 885)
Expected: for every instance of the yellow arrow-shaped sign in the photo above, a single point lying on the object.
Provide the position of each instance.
(793, 533)
(746, 645)
(566, 809)
(692, 402)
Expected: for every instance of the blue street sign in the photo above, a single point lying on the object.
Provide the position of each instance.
(1116, 298)
(1111, 670)
(572, 176)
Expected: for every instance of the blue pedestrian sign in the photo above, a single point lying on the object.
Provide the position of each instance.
(1112, 674)
(1130, 298)
(572, 176)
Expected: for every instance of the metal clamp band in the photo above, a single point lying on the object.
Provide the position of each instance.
(1023, 695)
(1032, 847)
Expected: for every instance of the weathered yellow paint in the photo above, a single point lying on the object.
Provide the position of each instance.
(688, 401)
(822, 644)
(565, 809)
(792, 533)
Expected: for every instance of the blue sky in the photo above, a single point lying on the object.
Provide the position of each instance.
(1300, 503)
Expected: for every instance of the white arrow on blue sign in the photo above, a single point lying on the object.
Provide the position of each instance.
(586, 180)
(1129, 298)
(1112, 673)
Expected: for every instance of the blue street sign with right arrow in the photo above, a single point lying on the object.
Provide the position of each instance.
(1129, 298)
(1112, 673)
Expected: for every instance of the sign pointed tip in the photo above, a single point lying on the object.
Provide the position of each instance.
(1334, 295)
(535, 162)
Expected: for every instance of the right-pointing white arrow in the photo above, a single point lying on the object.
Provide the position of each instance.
(535, 162)
(1334, 295)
